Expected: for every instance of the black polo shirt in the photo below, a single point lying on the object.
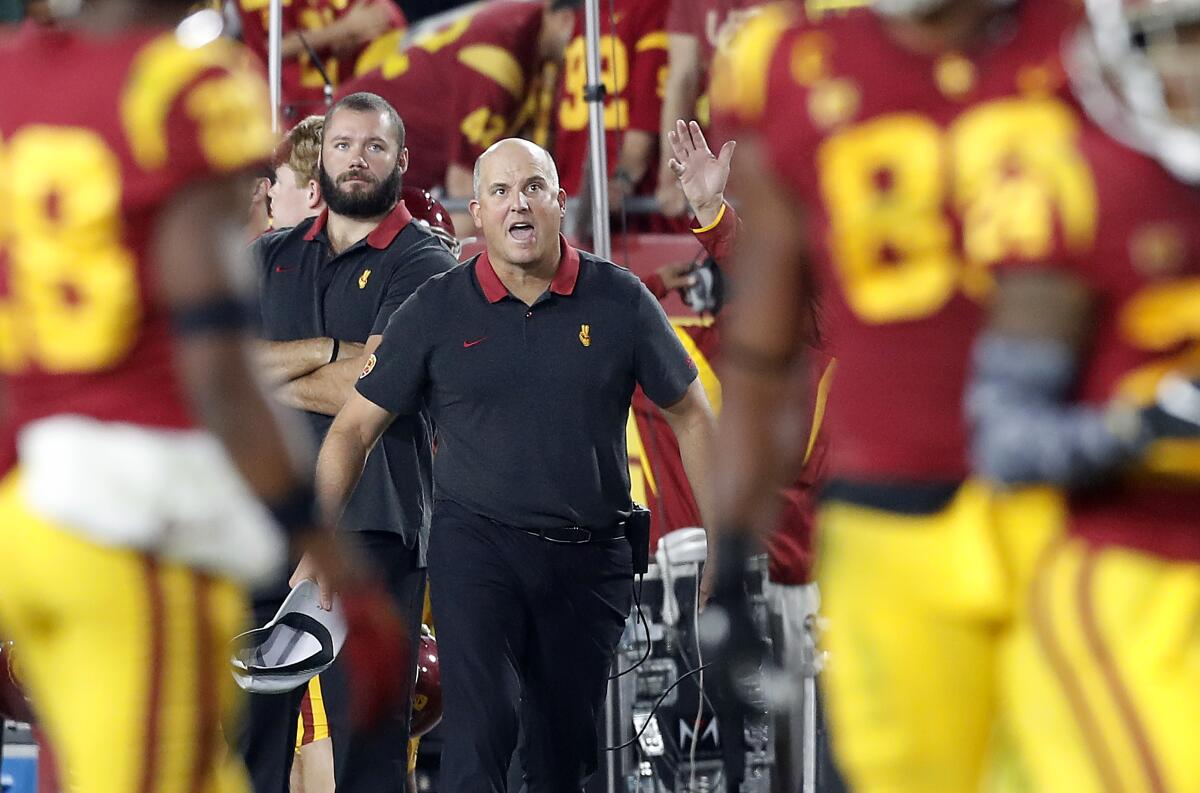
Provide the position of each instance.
(530, 402)
(308, 292)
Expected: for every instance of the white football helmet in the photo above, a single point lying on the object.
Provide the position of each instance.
(917, 8)
(907, 8)
(1138, 75)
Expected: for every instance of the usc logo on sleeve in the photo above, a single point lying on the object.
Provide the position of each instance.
(226, 100)
(369, 367)
(739, 73)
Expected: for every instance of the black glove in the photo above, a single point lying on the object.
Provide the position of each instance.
(733, 648)
(1175, 412)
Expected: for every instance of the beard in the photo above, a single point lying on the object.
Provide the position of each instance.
(361, 204)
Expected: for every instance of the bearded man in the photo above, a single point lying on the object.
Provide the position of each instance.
(328, 287)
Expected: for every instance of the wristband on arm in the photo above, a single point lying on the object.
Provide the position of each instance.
(212, 317)
(296, 511)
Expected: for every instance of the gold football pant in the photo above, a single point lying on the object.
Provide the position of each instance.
(1103, 674)
(917, 608)
(124, 656)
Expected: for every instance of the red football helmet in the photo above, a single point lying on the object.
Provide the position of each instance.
(428, 211)
(427, 694)
(13, 702)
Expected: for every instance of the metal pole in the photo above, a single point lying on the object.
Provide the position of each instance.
(597, 151)
(275, 60)
(602, 247)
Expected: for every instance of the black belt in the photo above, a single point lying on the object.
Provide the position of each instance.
(906, 498)
(577, 535)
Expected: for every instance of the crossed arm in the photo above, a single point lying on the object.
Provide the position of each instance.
(303, 376)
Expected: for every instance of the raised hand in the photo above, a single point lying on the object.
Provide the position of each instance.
(701, 175)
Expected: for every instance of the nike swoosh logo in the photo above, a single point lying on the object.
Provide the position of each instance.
(467, 344)
(279, 268)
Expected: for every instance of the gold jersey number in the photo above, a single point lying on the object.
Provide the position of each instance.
(72, 300)
(614, 73)
(1008, 169)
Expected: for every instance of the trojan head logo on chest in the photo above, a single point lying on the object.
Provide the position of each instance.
(362, 279)
(585, 335)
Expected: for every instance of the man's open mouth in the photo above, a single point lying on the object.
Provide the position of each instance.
(521, 232)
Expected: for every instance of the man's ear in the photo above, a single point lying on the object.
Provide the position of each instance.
(402, 160)
(476, 214)
(315, 197)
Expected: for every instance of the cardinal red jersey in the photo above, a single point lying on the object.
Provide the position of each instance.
(86, 166)
(886, 150)
(301, 82)
(673, 506)
(461, 86)
(633, 62)
(1144, 274)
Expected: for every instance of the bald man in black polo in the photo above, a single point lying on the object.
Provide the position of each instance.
(526, 357)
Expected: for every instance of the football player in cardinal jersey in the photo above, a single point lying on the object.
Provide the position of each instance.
(886, 157)
(338, 32)
(137, 442)
(633, 52)
(465, 84)
(694, 31)
(1087, 378)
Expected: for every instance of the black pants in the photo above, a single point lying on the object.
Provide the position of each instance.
(363, 762)
(526, 632)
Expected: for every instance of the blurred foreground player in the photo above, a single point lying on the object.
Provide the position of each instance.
(886, 158)
(1089, 379)
(126, 526)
